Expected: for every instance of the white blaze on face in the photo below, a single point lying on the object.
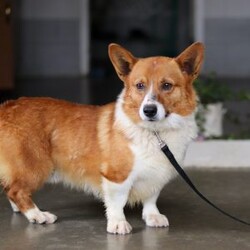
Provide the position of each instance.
(150, 99)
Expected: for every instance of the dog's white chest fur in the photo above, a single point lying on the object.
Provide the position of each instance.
(151, 169)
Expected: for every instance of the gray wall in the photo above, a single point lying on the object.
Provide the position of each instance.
(227, 37)
(48, 38)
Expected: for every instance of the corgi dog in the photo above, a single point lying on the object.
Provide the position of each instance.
(111, 150)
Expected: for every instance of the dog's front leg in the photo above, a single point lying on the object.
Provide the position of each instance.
(151, 214)
(115, 198)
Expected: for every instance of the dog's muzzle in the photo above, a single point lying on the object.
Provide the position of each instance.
(152, 111)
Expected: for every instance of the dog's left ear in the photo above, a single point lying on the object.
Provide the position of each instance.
(190, 60)
(122, 60)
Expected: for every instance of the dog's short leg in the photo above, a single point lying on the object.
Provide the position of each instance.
(20, 199)
(151, 214)
(115, 198)
(35, 215)
(14, 206)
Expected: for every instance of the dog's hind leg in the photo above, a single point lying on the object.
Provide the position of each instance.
(14, 206)
(20, 199)
(24, 169)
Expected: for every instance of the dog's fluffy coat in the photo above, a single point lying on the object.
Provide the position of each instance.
(109, 150)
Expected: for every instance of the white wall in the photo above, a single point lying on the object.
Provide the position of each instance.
(53, 38)
(227, 37)
(227, 9)
(50, 9)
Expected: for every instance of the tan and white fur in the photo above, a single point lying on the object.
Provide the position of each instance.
(108, 150)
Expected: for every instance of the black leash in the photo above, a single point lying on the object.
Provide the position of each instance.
(182, 173)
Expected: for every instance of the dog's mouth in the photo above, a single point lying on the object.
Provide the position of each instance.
(152, 120)
(167, 114)
(156, 119)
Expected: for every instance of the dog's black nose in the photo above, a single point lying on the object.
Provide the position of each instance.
(150, 110)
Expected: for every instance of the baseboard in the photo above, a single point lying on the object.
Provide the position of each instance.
(218, 153)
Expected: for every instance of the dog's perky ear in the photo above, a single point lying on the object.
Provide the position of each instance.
(190, 60)
(122, 60)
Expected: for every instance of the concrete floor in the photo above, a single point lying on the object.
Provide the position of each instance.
(193, 224)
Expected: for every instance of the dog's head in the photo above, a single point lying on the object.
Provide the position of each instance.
(157, 88)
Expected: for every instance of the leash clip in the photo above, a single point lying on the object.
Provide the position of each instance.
(160, 141)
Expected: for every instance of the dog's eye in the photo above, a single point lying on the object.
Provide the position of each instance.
(166, 86)
(140, 86)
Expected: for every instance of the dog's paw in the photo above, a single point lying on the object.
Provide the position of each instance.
(119, 227)
(34, 215)
(156, 220)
